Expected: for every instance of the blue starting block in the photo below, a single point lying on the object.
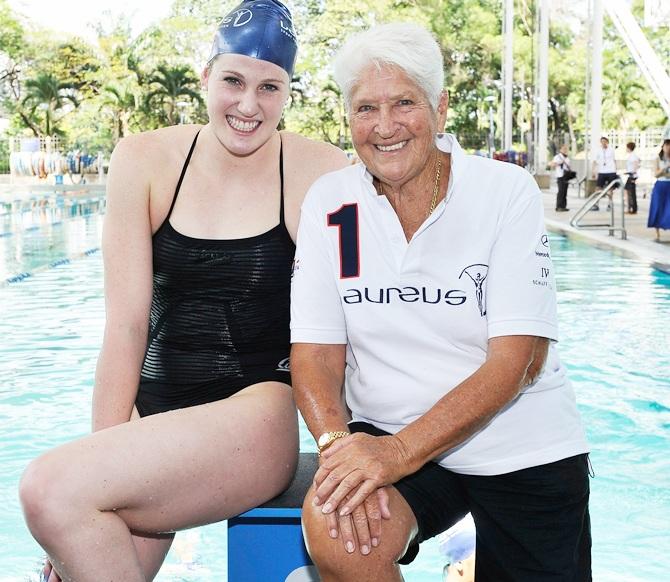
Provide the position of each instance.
(265, 544)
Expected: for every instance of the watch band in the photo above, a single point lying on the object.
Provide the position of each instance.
(328, 438)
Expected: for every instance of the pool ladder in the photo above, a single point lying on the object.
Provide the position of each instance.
(592, 202)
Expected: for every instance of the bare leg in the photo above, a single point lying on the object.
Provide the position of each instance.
(151, 549)
(336, 565)
(161, 473)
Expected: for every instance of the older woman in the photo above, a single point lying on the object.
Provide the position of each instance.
(198, 248)
(423, 284)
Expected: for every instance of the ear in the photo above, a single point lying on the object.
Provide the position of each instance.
(204, 77)
(442, 108)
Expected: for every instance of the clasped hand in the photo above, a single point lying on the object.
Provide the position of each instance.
(350, 486)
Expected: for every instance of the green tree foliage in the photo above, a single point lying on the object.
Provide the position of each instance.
(128, 82)
(45, 96)
(170, 87)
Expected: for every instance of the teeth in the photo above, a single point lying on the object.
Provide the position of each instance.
(391, 148)
(240, 125)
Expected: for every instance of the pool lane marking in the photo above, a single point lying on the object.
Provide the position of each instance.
(52, 265)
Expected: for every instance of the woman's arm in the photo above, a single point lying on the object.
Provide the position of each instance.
(126, 245)
(659, 170)
(317, 373)
(367, 463)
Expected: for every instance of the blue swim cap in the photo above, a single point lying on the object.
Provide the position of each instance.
(262, 29)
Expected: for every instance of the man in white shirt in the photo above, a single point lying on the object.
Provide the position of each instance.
(632, 166)
(605, 164)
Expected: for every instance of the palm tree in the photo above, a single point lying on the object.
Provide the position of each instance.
(172, 84)
(121, 102)
(46, 92)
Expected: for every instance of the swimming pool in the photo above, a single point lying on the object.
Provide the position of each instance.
(614, 313)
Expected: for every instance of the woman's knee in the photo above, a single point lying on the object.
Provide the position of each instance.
(321, 547)
(329, 555)
(43, 496)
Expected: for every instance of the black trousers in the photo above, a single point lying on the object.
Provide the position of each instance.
(562, 194)
(632, 194)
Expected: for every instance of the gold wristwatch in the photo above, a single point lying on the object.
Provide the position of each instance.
(328, 438)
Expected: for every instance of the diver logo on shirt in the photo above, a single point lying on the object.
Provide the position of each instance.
(239, 17)
(284, 365)
(477, 274)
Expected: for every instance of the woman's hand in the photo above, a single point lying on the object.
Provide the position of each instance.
(354, 467)
(363, 526)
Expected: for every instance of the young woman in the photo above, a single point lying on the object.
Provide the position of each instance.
(198, 248)
(659, 208)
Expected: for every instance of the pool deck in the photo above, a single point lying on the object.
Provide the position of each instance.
(640, 241)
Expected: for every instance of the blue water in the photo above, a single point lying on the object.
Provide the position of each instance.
(614, 315)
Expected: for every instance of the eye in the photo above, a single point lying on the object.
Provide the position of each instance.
(269, 87)
(405, 102)
(364, 109)
(232, 81)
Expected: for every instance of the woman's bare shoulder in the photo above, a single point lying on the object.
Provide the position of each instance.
(157, 146)
(313, 158)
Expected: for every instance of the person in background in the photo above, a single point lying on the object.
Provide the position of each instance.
(561, 165)
(632, 167)
(659, 207)
(424, 294)
(457, 545)
(604, 167)
(193, 416)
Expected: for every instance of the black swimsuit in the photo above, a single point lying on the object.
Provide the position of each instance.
(219, 318)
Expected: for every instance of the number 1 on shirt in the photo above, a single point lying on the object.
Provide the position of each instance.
(346, 219)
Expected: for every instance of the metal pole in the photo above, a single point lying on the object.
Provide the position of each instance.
(508, 73)
(587, 105)
(543, 92)
(596, 74)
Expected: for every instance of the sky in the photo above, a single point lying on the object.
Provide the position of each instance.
(73, 16)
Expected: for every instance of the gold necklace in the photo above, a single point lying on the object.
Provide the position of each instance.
(436, 187)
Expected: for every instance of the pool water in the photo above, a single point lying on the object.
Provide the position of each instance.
(614, 313)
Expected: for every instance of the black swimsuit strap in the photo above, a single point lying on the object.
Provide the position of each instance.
(188, 159)
(281, 181)
(181, 176)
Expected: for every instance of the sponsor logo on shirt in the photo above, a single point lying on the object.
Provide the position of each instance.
(477, 274)
(542, 250)
(295, 267)
(404, 294)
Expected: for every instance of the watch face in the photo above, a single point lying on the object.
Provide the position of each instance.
(323, 439)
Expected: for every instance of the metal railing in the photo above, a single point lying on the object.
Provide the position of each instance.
(592, 204)
(579, 187)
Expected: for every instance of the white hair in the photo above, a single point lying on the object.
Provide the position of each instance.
(405, 45)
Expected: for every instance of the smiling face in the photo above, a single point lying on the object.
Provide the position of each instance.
(393, 125)
(245, 99)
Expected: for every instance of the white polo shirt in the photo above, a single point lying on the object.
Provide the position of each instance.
(416, 317)
(605, 161)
